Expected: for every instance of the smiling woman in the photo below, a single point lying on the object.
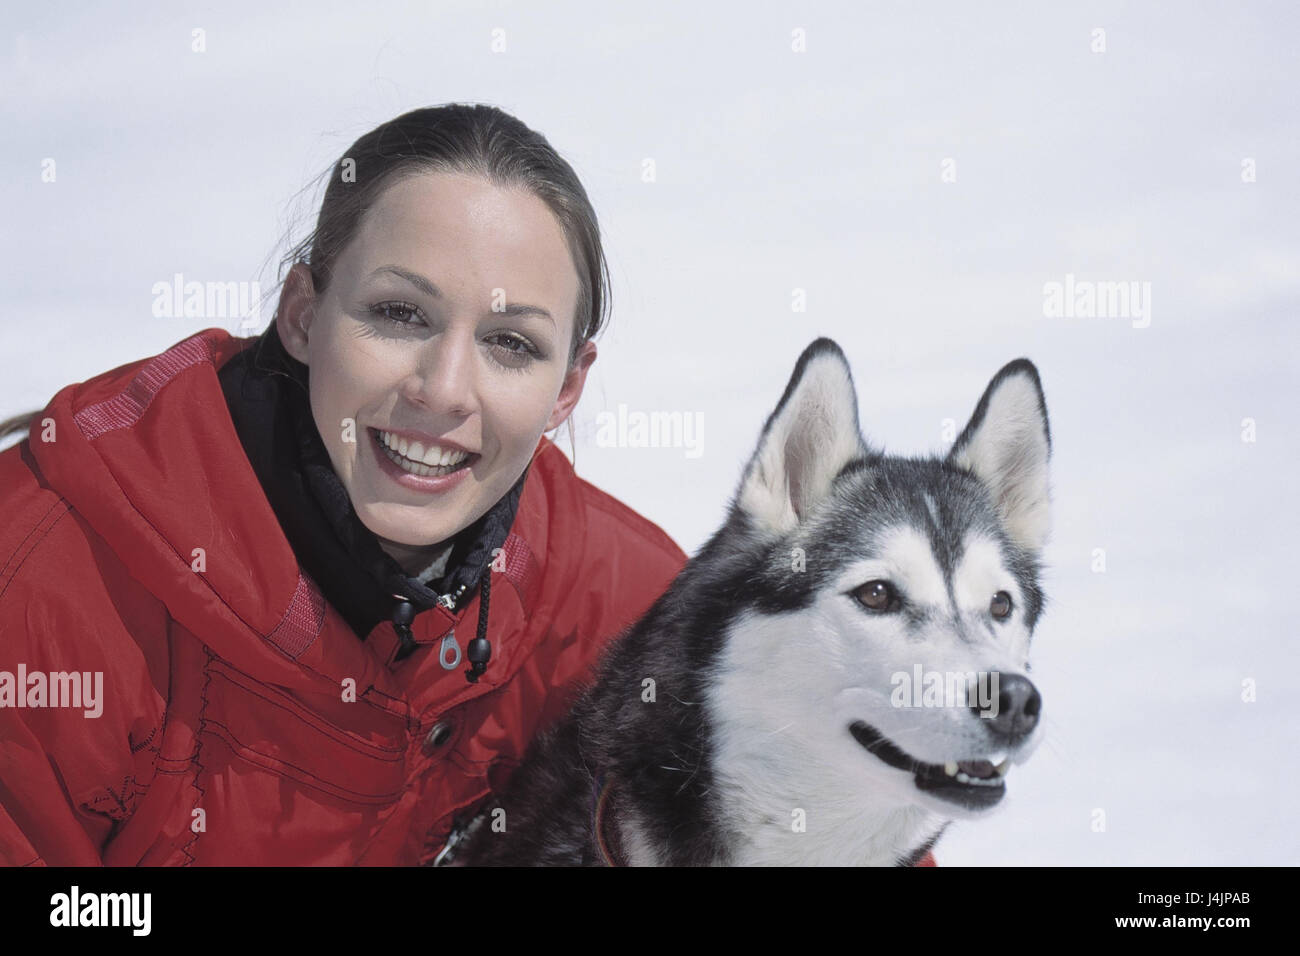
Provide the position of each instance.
(277, 540)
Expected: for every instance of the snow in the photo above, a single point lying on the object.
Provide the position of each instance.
(821, 171)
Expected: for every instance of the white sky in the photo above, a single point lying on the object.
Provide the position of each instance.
(821, 171)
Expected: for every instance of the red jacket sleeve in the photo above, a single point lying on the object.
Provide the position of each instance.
(70, 774)
(41, 748)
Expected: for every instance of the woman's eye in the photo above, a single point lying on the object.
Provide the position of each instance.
(516, 344)
(877, 596)
(385, 308)
(1000, 606)
(517, 350)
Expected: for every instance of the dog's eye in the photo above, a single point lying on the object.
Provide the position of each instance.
(1000, 606)
(877, 595)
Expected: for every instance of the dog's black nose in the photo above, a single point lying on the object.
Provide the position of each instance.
(1018, 705)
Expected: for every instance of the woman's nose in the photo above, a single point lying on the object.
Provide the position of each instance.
(445, 376)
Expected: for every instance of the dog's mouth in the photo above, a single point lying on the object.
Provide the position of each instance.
(974, 784)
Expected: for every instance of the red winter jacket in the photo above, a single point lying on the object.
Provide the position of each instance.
(226, 734)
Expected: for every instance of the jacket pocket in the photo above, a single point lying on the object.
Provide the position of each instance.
(364, 761)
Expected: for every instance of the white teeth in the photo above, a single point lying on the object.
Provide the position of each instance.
(951, 769)
(439, 457)
(436, 461)
(433, 457)
(1001, 762)
(963, 777)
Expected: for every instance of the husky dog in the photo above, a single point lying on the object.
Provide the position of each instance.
(767, 708)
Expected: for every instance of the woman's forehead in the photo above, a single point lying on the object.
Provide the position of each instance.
(456, 229)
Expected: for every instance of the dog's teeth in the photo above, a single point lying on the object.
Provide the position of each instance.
(950, 768)
(1003, 767)
(997, 757)
(962, 778)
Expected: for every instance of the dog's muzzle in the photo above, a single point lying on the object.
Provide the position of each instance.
(975, 784)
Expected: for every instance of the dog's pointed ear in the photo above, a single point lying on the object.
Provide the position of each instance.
(1006, 445)
(807, 440)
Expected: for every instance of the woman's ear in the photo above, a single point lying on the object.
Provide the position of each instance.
(571, 390)
(297, 308)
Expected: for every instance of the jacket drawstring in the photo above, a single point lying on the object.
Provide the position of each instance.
(403, 615)
(479, 651)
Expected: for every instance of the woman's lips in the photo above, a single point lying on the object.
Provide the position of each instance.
(431, 484)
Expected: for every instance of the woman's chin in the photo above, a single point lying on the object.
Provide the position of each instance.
(398, 530)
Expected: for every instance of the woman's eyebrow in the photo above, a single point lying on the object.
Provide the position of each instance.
(431, 290)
